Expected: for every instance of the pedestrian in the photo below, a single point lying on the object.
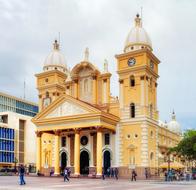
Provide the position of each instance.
(134, 175)
(108, 172)
(66, 175)
(21, 174)
(146, 173)
(69, 172)
(116, 173)
(51, 172)
(112, 172)
(103, 174)
(166, 177)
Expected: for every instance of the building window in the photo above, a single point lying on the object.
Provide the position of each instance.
(132, 81)
(63, 141)
(151, 82)
(47, 94)
(151, 134)
(151, 156)
(151, 110)
(107, 139)
(132, 110)
(128, 136)
(86, 85)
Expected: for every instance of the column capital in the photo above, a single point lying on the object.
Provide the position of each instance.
(77, 130)
(121, 81)
(92, 133)
(104, 80)
(94, 76)
(57, 132)
(38, 133)
(99, 129)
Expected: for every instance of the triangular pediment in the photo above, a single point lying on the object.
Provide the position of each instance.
(66, 106)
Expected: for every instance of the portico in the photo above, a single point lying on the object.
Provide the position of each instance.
(83, 129)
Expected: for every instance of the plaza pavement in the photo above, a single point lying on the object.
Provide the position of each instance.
(56, 183)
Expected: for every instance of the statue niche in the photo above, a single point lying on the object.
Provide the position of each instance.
(85, 84)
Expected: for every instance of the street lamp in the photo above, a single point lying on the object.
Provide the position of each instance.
(15, 162)
(168, 161)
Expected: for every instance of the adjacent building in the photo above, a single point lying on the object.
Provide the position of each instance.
(17, 132)
(81, 126)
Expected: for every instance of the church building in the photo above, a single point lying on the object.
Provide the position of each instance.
(82, 127)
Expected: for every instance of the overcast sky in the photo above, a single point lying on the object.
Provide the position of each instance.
(28, 29)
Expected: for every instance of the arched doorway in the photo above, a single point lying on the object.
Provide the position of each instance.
(63, 160)
(106, 160)
(84, 163)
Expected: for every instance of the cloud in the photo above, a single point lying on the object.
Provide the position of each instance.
(28, 29)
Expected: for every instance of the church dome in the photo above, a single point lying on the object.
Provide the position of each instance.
(173, 125)
(137, 38)
(55, 60)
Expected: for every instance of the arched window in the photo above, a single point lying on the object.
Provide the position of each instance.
(132, 110)
(86, 85)
(151, 156)
(151, 111)
(151, 82)
(132, 81)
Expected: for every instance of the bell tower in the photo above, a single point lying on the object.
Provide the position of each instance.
(137, 68)
(51, 82)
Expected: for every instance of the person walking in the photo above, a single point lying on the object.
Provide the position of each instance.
(103, 174)
(108, 172)
(146, 173)
(66, 175)
(134, 175)
(116, 173)
(21, 174)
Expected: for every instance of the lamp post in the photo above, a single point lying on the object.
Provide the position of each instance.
(168, 162)
(15, 162)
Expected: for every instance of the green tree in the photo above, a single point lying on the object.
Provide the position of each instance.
(187, 146)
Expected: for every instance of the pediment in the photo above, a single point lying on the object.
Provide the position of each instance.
(67, 109)
(66, 106)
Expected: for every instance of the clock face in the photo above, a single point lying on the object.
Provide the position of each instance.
(151, 65)
(131, 62)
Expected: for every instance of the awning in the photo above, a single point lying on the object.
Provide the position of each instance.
(174, 165)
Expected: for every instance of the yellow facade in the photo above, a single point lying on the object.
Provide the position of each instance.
(82, 127)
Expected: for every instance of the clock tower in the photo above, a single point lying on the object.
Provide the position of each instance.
(51, 82)
(137, 68)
